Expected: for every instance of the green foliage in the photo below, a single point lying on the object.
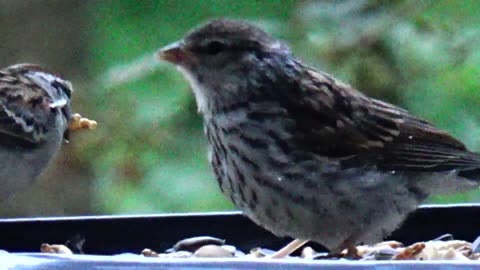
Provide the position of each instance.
(151, 154)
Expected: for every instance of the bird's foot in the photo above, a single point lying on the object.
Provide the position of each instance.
(288, 249)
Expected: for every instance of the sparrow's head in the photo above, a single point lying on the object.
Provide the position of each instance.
(38, 99)
(220, 44)
(57, 88)
(218, 56)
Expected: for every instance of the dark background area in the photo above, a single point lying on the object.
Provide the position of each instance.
(149, 154)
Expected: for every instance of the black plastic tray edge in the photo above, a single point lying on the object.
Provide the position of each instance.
(131, 233)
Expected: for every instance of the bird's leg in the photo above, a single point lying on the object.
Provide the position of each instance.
(352, 253)
(349, 245)
(288, 249)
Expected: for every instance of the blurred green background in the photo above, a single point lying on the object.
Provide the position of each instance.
(149, 153)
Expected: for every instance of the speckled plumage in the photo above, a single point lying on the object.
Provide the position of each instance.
(304, 154)
(34, 115)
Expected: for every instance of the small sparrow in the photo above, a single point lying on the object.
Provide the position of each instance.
(305, 155)
(34, 116)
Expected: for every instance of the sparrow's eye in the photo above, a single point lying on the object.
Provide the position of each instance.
(214, 47)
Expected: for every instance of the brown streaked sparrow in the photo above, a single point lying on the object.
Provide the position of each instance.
(305, 155)
(34, 116)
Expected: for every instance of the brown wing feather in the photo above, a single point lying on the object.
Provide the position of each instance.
(337, 121)
(23, 108)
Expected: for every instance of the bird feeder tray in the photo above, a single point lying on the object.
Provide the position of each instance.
(116, 241)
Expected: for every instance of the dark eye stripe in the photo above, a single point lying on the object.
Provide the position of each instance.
(211, 47)
(214, 46)
(61, 88)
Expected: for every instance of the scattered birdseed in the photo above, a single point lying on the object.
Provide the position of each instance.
(212, 251)
(78, 122)
(178, 254)
(58, 249)
(441, 248)
(194, 243)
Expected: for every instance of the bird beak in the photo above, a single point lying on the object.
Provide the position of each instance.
(173, 53)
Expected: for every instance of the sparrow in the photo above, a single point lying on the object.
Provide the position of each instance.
(35, 111)
(304, 154)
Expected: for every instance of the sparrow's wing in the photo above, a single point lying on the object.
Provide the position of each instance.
(339, 122)
(24, 108)
(420, 146)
